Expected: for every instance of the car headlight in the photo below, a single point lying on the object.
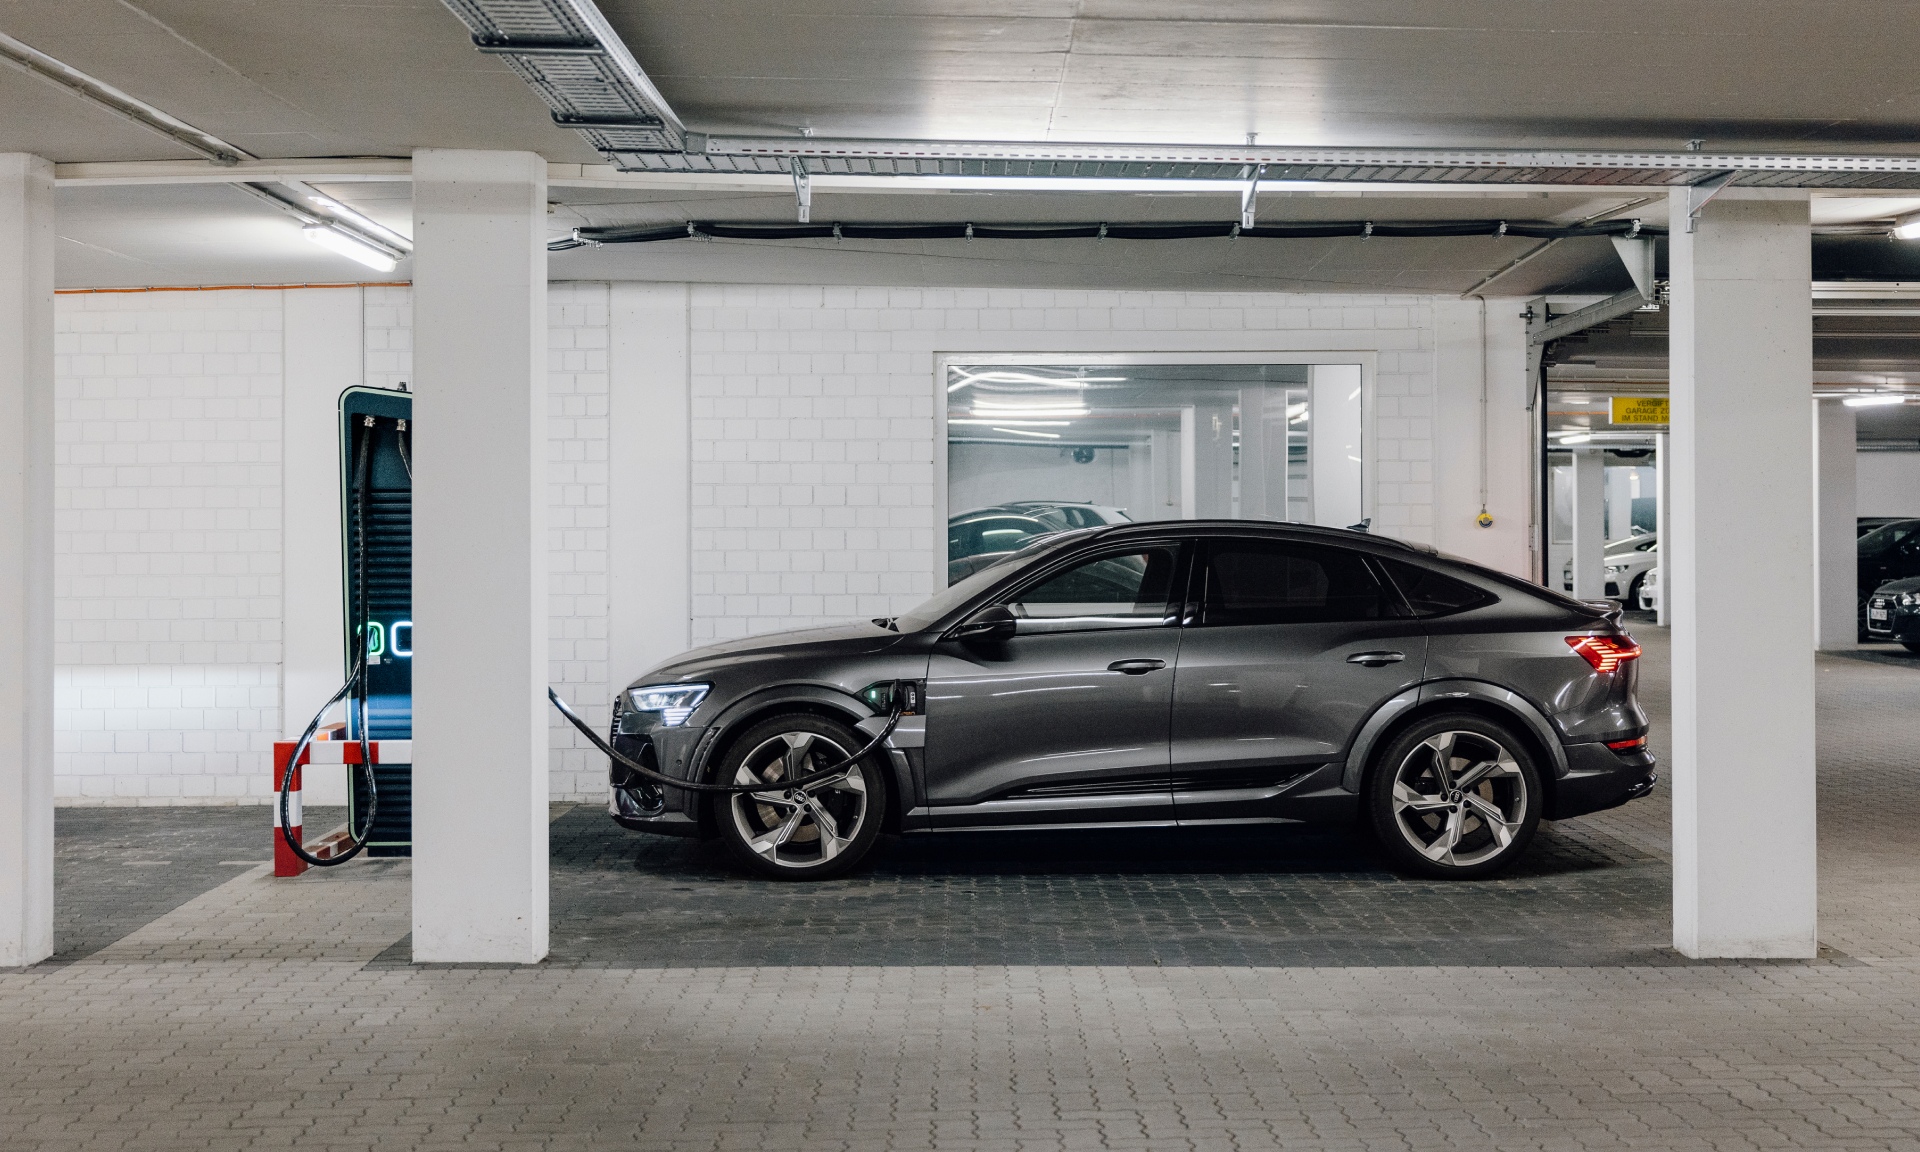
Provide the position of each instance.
(674, 702)
(1909, 599)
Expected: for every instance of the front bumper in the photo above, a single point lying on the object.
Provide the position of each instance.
(643, 807)
(1897, 623)
(1599, 778)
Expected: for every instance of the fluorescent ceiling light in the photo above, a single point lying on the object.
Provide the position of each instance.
(1575, 438)
(1022, 423)
(335, 240)
(1016, 415)
(1876, 399)
(342, 212)
(1023, 432)
(996, 376)
(1907, 228)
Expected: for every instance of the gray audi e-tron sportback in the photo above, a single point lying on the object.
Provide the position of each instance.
(1158, 674)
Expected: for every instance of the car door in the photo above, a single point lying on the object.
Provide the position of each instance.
(1289, 646)
(1066, 721)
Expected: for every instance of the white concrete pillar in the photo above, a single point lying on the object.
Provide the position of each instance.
(1738, 566)
(1336, 433)
(321, 358)
(480, 557)
(1663, 491)
(1836, 484)
(649, 462)
(26, 560)
(1619, 489)
(1589, 528)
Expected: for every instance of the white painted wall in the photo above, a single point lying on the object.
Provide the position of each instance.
(1480, 351)
(167, 545)
(1889, 483)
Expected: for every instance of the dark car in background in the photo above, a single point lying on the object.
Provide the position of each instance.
(1893, 613)
(1889, 552)
(979, 538)
(1147, 675)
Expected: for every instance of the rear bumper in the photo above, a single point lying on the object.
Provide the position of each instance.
(1599, 778)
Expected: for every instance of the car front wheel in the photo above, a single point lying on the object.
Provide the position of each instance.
(815, 833)
(1455, 796)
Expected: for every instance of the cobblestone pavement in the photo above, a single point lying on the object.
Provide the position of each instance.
(1243, 994)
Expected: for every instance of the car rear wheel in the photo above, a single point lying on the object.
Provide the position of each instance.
(816, 833)
(1455, 796)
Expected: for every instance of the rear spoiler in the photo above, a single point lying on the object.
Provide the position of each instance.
(1612, 609)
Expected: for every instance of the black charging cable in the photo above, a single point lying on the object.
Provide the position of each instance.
(356, 678)
(896, 709)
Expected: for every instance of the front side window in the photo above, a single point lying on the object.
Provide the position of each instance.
(1116, 590)
(1277, 582)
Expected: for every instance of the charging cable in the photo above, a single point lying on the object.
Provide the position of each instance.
(897, 708)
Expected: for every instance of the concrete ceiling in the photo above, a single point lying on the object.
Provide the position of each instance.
(294, 78)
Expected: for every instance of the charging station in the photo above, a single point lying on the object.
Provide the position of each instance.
(378, 546)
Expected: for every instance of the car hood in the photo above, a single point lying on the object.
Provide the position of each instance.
(851, 638)
(1905, 584)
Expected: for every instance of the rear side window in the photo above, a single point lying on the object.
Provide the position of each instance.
(1276, 582)
(1431, 593)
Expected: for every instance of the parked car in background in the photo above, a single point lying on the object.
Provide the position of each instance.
(1627, 562)
(1649, 598)
(977, 539)
(1893, 613)
(1182, 673)
(1889, 552)
(1071, 514)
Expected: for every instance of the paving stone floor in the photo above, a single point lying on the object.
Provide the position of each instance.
(1149, 991)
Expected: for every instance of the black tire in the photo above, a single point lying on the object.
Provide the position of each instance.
(1490, 823)
(1911, 645)
(817, 837)
(1633, 593)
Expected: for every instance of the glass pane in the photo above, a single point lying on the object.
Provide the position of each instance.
(1253, 583)
(1037, 448)
(1125, 588)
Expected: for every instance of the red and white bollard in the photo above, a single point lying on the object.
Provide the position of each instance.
(285, 863)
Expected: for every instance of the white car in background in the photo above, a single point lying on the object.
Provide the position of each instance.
(1627, 563)
(1649, 600)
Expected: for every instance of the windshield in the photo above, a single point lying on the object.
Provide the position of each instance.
(936, 608)
(1886, 536)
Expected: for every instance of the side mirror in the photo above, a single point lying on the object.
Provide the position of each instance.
(991, 624)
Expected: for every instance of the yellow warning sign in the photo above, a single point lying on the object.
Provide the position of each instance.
(1639, 410)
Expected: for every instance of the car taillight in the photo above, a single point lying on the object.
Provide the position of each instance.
(1605, 653)
(1633, 745)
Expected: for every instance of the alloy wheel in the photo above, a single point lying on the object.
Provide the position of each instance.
(803, 828)
(1459, 798)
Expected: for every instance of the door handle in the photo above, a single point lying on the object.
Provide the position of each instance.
(1376, 659)
(1136, 667)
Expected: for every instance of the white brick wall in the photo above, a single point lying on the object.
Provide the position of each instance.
(577, 529)
(813, 422)
(167, 538)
